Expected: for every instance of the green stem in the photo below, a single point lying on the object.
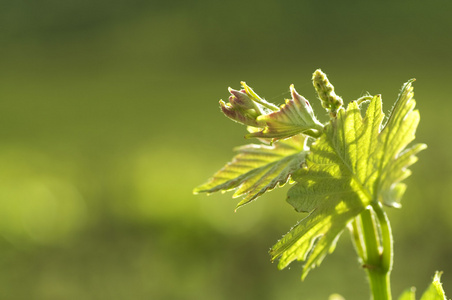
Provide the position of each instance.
(357, 239)
(370, 239)
(386, 237)
(375, 249)
(380, 285)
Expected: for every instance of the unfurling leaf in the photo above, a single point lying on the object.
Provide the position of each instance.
(258, 168)
(408, 294)
(353, 164)
(268, 121)
(245, 106)
(294, 117)
(435, 290)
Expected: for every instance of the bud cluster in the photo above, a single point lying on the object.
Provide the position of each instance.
(330, 101)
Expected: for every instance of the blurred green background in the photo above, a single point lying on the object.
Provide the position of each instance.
(109, 118)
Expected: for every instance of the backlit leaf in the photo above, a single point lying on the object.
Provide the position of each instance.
(294, 117)
(258, 168)
(408, 294)
(355, 162)
(435, 290)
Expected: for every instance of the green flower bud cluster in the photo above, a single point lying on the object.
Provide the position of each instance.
(330, 101)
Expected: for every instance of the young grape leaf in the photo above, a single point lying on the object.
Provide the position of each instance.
(245, 106)
(294, 117)
(408, 294)
(258, 168)
(354, 163)
(435, 290)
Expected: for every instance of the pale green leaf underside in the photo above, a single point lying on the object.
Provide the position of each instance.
(354, 163)
(258, 168)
